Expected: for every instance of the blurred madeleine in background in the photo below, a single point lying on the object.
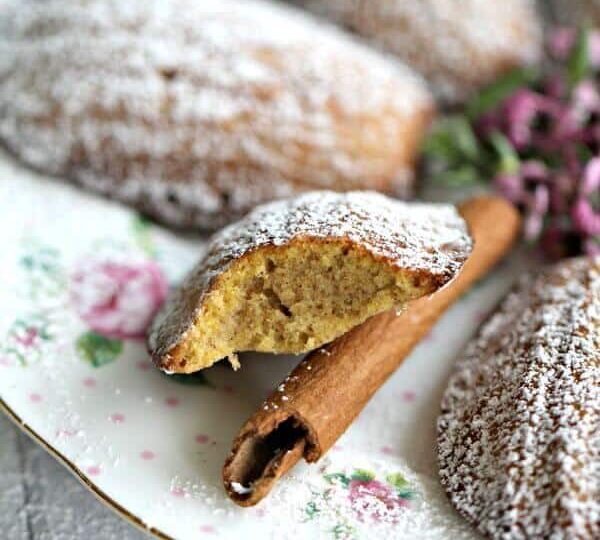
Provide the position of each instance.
(458, 47)
(195, 111)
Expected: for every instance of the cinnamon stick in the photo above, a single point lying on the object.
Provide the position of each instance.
(313, 407)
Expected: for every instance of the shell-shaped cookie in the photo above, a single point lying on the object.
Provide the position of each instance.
(519, 432)
(195, 111)
(295, 274)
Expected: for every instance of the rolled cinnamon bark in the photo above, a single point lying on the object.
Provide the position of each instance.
(313, 406)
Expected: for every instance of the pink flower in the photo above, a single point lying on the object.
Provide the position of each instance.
(591, 177)
(555, 86)
(118, 299)
(29, 338)
(562, 188)
(585, 219)
(510, 186)
(561, 42)
(521, 109)
(533, 118)
(517, 187)
(586, 98)
(538, 203)
(375, 500)
(532, 226)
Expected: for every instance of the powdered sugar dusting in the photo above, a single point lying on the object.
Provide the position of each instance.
(332, 498)
(240, 489)
(197, 111)
(426, 238)
(457, 48)
(519, 433)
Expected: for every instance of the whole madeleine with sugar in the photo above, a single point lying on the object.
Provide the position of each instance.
(519, 431)
(194, 112)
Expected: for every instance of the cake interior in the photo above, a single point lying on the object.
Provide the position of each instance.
(292, 299)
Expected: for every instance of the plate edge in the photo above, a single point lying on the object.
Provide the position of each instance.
(80, 476)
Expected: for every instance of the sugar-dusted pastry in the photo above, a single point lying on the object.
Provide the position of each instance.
(195, 111)
(519, 432)
(459, 46)
(316, 403)
(295, 274)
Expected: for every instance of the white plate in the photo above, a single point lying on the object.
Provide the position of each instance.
(74, 375)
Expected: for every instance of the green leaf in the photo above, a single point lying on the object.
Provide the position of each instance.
(98, 350)
(362, 475)
(16, 353)
(508, 157)
(397, 480)
(401, 485)
(578, 65)
(466, 141)
(495, 93)
(193, 379)
(465, 175)
(343, 531)
(27, 261)
(311, 510)
(584, 153)
(452, 139)
(337, 478)
(406, 493)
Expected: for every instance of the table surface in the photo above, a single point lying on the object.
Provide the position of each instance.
(40, 499)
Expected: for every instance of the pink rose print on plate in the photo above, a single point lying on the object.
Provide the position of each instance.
(370, 499)
(89, 382)
(94, 470)
(178, 492)
(375, 500)
(116, 299)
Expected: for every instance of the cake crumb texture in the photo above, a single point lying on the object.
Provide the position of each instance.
(296, 274)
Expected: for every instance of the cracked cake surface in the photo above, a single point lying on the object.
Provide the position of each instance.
(519, 431)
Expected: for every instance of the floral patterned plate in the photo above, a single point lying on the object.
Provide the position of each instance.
(81, 278)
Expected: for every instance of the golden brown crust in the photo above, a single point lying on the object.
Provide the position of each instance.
(174, 361)
(330, 387)
(426, 244)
